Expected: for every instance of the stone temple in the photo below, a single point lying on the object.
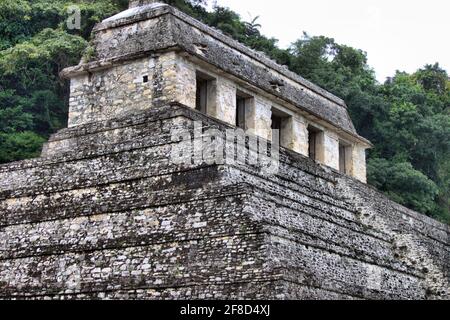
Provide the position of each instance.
(105, 212)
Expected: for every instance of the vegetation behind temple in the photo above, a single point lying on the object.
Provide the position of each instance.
(407, 118)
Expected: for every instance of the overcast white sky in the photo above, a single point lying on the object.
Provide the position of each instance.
(396, 34)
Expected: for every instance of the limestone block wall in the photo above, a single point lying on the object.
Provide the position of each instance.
(112, 92)
(107, 214)
(225, 108)
(123, 88)
(186, 83)
(258, 118)
(174, 80)
(358, 167)
(296, 137)
(328, 149)
(117, 90)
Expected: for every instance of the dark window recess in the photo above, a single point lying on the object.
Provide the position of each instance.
(276, 125)
(312, 146)
(342, 167)
(240, 112)
(343, 158)
(201, 95)
(145, 79)
(312, 140)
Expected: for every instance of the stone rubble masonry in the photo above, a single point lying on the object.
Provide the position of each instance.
(105, 214)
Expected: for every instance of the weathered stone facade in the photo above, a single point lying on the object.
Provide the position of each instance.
(170, 49)
(106, 213)
(106, 93)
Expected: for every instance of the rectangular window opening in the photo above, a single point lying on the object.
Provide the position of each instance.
(276, 125)
(313, 143)
(279, 121)
(240, 112)
(243, 101)
(205, 92)
(344, 157)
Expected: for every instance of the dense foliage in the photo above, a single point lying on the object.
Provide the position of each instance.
(35, 46)
(407, 117)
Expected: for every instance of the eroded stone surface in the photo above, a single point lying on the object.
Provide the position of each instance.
(119, 220)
